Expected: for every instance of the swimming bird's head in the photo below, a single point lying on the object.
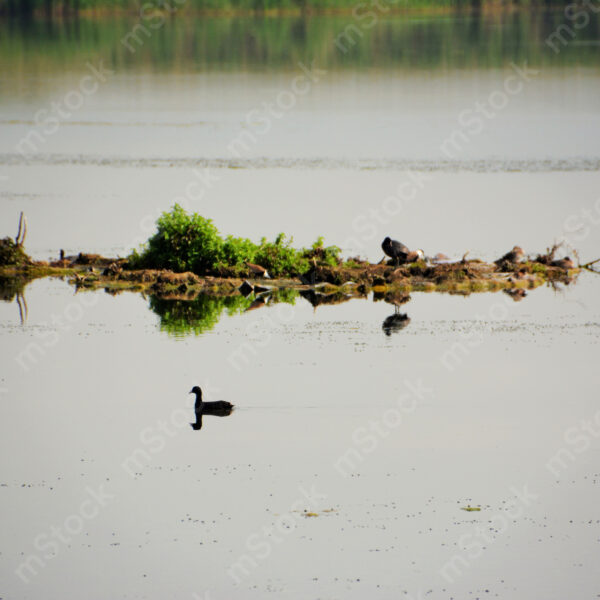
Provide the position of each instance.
(196, 390)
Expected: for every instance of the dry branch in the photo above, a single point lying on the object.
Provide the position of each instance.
(19, 231)
(589, 264)
(22, 232)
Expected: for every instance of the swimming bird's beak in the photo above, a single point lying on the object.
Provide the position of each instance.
(191, 392)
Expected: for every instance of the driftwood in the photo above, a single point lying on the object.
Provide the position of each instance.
(22, 232)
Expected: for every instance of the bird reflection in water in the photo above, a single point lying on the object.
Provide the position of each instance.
(201, 408)
(398, 320)
(395, 322)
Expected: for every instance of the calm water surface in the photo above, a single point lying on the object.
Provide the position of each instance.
(343, 470)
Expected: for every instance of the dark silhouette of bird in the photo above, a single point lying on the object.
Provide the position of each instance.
(220, 408)
(209, 407)
(395, 250)
(563, 263)
(395, 322)
(258, 270)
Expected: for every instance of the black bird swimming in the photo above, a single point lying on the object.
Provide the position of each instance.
(220, 408)
(396, 250)
(210, 408)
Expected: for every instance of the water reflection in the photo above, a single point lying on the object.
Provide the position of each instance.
(195, 316)
(215, 412)
(249, 43)
(182, 314)
(197, 425)
(317, 298)
(200, 313)
(517, 294)
(258, 303)
(395, 322)
(13, 288)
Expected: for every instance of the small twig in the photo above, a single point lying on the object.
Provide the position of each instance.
(22, 241)
(588, 265)
(463, 259)
(576, 255)
(19, 232)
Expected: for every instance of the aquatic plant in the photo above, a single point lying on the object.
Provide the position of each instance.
(191, 242)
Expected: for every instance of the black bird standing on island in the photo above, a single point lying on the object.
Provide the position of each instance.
(396, 250)
(220, 408)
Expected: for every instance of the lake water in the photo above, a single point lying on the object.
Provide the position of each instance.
(344, 469)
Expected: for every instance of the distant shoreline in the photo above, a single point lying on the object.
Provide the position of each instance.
(104, 8)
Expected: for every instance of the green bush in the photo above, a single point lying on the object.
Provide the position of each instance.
(280, 258)
(185, 242)
(325, 255)
(12, 253)
(182, 243)
(237, 251)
